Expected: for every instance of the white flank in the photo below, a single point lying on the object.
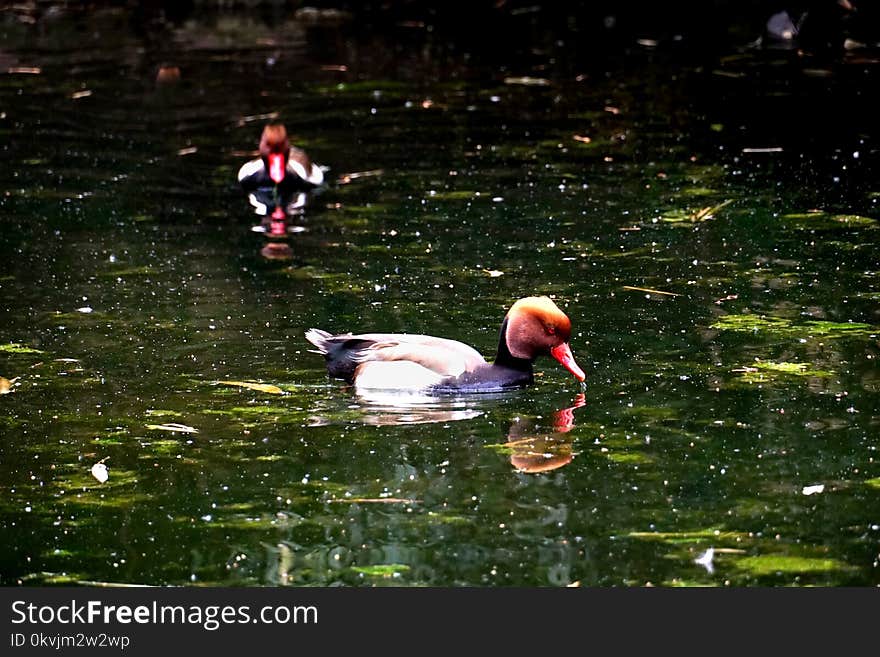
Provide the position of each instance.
(316, 177)
(395, 375)
(249, 169)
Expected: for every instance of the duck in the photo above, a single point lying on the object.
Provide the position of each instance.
(533, 327)
(281, 176)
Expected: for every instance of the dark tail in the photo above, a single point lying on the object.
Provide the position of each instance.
(339, 352)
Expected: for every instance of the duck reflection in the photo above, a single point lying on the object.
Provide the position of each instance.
(533, 451)
(531, 448)
(277, 230)
(383, 408)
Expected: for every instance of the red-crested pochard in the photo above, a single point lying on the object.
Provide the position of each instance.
(281, 173)
(533, 327)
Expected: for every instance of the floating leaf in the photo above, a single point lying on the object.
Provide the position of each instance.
(159, 412)
(709, 212)
(99, 472)
(682, 215)
(774, 564)
(172, 426)
(259, 387)
(382, 570)
(17, 348)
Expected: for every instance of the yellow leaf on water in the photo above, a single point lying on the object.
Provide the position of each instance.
(259, 387)
(172, 426)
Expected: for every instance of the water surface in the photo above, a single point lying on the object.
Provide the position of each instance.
(708, 223)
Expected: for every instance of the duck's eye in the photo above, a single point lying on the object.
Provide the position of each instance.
(551, 330)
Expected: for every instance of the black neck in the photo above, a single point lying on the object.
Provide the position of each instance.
(505, 359)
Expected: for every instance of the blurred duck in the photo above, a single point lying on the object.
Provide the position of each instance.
(534, 326)
(276, 182)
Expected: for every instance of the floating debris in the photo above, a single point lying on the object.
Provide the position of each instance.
(259, 387)
(709, 212)
(172, 426)
(167, 74)
(376, 500)
(705, 560)
(270, 116)
(346, 178)
(99, 471)
(650, 291)
(85, 93)
(813, 490)
(528, 81)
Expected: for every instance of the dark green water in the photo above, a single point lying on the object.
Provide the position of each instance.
(738, 411)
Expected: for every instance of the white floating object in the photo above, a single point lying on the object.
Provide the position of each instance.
(99, 472)
(84, 309)
(705, 560)
(812, 490)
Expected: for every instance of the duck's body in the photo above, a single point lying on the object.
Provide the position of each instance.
(534, 326)
(282, 174)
